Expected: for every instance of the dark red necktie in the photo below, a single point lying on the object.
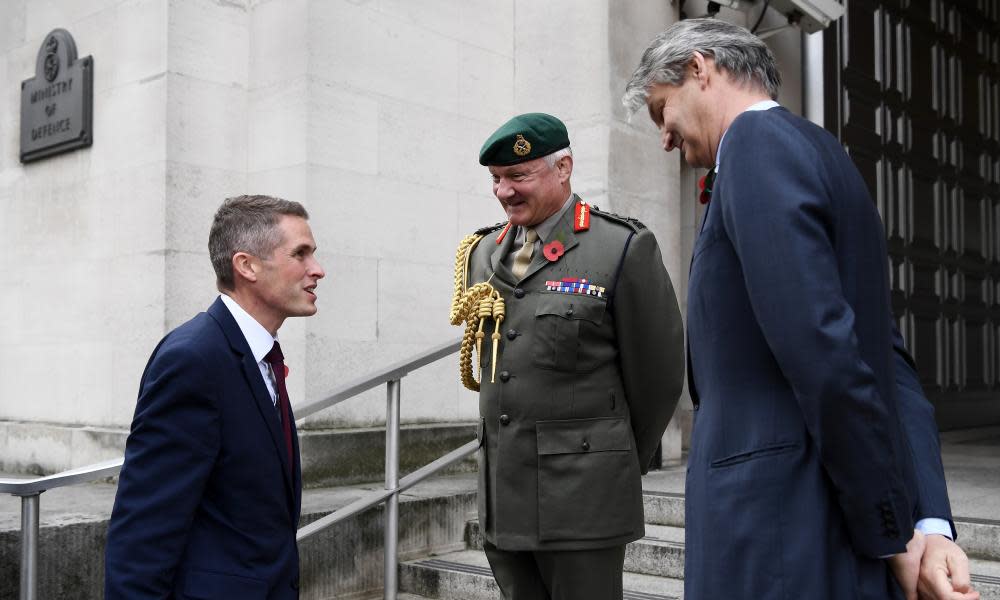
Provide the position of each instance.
(277, 361)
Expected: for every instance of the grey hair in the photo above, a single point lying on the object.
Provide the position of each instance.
(552, 159)
(246, 224)
(736, 51)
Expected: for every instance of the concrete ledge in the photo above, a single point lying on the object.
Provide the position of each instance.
(44, 448)
(347, 456)
(663, 508)
(330, 457)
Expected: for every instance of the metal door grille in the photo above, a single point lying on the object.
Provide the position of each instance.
(913, 92)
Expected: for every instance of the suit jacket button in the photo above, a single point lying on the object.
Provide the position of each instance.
(295, 583)
(504, 420)
(585, 445)
(569, 312)
(512, 334)
(504, 376)
(518, 293)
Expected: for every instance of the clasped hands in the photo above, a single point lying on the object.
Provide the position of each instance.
(933, 568)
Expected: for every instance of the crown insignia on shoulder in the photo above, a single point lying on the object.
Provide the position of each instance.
(490, 228)
(632, 222)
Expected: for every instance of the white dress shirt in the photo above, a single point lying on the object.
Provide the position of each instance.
(259, 340)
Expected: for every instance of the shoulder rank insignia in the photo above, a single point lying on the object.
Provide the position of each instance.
(503, 233)
(490, 228)
(581, 218)
(634, 223)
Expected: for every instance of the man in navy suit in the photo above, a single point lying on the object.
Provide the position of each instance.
(814, 451)
(209, 496)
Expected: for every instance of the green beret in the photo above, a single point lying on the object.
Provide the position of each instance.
(523, 138)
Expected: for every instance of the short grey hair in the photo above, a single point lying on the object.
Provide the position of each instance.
(552, 159)
(246, 224)
(741, 54)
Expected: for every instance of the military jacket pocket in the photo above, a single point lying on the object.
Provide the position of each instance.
(588, 479)
(568, 332)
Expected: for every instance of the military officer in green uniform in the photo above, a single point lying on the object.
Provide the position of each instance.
(579, 364)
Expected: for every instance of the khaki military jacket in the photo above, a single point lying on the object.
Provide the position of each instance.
(585, 385)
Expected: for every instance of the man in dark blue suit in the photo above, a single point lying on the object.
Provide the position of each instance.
(209, 496)
(814, 452)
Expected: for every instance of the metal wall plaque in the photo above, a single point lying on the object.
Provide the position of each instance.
(57, 104)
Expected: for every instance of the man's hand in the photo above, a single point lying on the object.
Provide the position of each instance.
(906, 567)
(944, 570)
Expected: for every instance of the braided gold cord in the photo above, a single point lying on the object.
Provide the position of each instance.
(461, 268)
(472, 306)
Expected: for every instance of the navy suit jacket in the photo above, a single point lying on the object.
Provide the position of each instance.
(207, 504)
(813, 449)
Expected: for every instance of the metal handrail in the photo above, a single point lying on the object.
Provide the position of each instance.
(392, 372)
(28, 487)
(374, 498)
(31, 489)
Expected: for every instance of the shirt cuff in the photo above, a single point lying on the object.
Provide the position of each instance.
(934, 526)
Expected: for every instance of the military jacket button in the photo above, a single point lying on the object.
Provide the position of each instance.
(569, 312)
(504, 376)
(585, 445)
(512, 334)
(518, 293)
(504, 420)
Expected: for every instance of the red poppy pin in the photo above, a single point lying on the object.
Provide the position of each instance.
(287, 371)
(553, 250)
(705, 185)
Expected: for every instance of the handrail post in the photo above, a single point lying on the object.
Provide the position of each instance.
(392, 483)
(29, 546)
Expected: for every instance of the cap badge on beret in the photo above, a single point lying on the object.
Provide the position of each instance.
(510, 145)
(522, 147)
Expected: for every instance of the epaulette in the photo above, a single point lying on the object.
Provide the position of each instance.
(490, 228)
(634, 223)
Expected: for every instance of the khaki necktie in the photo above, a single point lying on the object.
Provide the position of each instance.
(523, 257)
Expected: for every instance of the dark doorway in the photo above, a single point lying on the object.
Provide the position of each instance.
(913, 90)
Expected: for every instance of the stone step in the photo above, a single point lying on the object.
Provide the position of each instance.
(345, 561)
(466, 575)
(661, 554)
(986, 578)
(980, 538)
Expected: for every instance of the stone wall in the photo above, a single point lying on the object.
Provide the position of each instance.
(371, 113)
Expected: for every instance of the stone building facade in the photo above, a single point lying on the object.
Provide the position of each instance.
(370, 113)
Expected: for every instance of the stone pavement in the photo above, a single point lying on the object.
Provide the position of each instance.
(73, 522)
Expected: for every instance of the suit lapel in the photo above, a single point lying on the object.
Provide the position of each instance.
(261, 397)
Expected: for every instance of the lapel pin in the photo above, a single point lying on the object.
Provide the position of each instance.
(553, 250)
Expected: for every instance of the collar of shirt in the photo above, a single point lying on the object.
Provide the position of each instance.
(544, 229)
(762, 105)
(258, 338)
